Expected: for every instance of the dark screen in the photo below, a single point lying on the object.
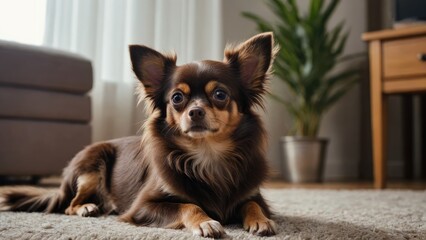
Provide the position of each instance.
(410, 9)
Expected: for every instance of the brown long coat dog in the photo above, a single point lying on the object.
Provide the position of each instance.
(201, 158)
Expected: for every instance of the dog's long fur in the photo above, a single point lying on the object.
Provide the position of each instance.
(188, 171)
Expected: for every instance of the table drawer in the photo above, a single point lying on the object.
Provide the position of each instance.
(401, 58)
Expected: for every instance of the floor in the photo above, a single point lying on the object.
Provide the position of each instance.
(299, 214)
(409, 185)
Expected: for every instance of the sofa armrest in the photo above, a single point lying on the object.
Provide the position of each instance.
(44, 68)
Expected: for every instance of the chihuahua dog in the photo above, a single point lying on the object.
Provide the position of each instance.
(201, 158)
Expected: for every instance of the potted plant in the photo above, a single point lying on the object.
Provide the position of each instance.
(305, 63)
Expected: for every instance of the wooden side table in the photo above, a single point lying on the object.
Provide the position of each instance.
(397, 65)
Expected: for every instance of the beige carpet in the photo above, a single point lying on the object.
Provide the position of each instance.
(301, 214)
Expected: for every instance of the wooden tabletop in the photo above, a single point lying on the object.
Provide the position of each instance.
(395, 33)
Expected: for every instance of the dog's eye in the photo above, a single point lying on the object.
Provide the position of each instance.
(220, 95)
(177, 98)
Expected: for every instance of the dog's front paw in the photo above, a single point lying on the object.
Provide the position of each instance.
(85, 210)
(88, 210)
(211, 229)
(260, 227)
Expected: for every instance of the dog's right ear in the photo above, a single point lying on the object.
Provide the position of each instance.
(151, 68)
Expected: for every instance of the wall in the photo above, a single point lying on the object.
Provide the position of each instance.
(342, 124)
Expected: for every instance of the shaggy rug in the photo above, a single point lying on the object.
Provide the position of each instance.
(301, 214)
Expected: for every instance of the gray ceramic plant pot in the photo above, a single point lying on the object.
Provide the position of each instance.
(304, 158)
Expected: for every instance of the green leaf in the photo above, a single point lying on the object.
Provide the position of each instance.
(315, 9)
(281, 9)
(262, 24)
(294, 9)
(350, 57)
(339, 93)
(332, 83)
(329, 10)
(335, 34)
(333, 80)
(340, 45)
(285, 38)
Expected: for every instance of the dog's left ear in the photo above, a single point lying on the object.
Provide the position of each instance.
(253, 60)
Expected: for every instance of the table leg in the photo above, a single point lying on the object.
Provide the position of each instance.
(378, 115)
(408, 136)
(423, 135)
(378, 124)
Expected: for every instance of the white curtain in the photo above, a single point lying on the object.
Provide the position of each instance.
(101, 30)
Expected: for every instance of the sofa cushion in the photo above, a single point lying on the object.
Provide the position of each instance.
(44, 68)
(39, 147)
(43, 105)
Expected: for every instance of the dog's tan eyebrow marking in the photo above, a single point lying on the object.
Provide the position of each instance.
(210, 86)
(184, 88)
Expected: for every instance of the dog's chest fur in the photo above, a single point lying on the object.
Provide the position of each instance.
(213, 161)
(210, 150)
(209, 161)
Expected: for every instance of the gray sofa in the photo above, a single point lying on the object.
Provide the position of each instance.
(45, 111)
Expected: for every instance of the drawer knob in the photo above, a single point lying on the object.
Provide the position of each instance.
(422, 57)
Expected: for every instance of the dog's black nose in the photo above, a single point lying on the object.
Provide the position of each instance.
(197, 114)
